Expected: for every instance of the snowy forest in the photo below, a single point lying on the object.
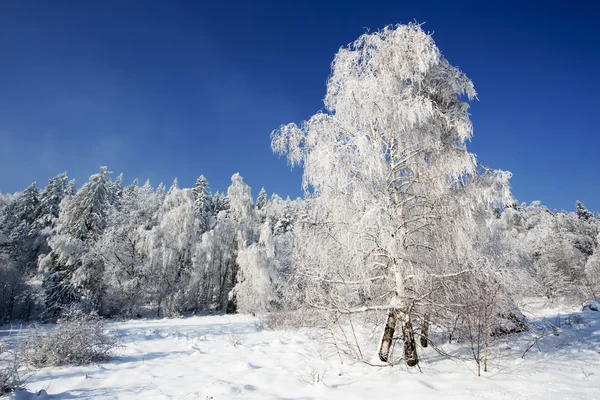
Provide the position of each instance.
(400, 227)
(137, 250)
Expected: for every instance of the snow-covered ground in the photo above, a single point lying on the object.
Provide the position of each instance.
(225, 357)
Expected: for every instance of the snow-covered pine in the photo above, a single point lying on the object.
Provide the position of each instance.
(50, 199)
(73, 273)
(27, 204)
(203, 203)
(592, 272)
(160, 190)
(582, 212)
(285, 222)
(174, 186)
(131, 188)
(117, 190)
(261, 199)
(84, 216)
(71, 188)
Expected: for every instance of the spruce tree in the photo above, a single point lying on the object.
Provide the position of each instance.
(582, 212)
(117, 190)
(73, 273)
(85, 214)
(28, 204)
(261, 200)
(50, 199)
(202, 203)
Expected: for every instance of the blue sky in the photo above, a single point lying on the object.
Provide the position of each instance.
(165, 89)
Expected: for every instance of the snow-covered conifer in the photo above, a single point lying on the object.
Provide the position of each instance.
(174, 186)
(50, 199)
(261, 199)
(27, 204)
(203, 203)
(84, 215)
(582, 212)
(117, 189)
(73, 272)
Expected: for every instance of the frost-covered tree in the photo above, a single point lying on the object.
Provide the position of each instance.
(261, 199)
(554, 248)
(380, 166)
(5, 198)
(17, 225)
(71, 188)
(280, 216)
(18, 253)
(285, 221)
(117, 189)
(256, 282)
(160, 191)
(220, 202)
(171, 250)
(174, 186)
(133, 187)
(582, 212)
(123, 248)
(27, 204)
(12, 287)
(84, 216)
(203, 203)
(73, 272)
(50, 199)
(241, 205)
(241, 210)
(265, 264)
(215, 266)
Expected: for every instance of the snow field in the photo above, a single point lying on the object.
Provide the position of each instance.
(228, 357)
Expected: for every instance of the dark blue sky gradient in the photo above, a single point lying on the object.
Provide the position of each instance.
(165, 89)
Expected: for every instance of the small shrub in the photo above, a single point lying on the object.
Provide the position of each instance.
(80, 339)
(236, 340)
(10, 378)
(575, 319)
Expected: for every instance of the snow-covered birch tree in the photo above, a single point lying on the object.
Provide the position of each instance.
(255, 288)
(380, 164)
(170, 249)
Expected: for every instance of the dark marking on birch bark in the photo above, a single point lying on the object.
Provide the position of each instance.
(388, 335)
(410, 347)
(425, 331)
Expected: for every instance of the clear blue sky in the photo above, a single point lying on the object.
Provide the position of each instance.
(165, 89)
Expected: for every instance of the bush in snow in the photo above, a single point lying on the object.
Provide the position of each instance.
(593, 305)
(10, 379)
(79, 339)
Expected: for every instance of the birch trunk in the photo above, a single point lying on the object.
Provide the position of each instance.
(410, 346)
(388, 336)
(425, 331)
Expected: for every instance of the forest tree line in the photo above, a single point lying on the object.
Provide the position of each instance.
(137, 250)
